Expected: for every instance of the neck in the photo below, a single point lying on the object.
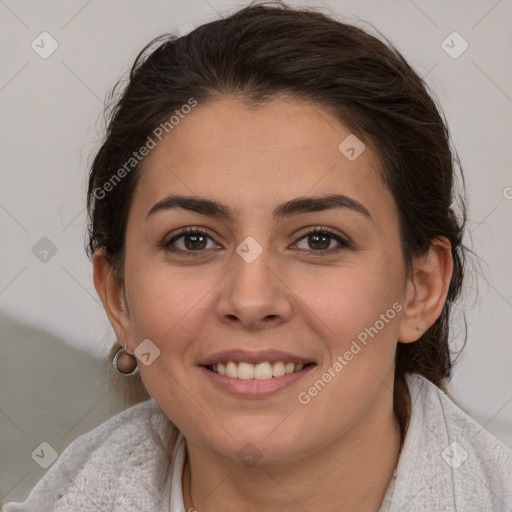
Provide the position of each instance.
(350, 474)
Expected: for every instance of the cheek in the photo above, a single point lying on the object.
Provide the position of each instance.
(356, 315)
(344, 302)
(166, 304)
(357, 318)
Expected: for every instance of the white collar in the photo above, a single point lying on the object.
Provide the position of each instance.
(176, 503)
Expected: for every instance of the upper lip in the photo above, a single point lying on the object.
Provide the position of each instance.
(254, 357)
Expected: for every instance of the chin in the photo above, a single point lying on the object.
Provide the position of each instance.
(261, 443)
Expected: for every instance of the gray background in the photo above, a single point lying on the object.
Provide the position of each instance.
(54, 331)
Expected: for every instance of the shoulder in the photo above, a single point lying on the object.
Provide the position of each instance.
(124, 461)
(449, 461)
(483, 447)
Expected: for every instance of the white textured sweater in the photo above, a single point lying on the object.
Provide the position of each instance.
(134, 461)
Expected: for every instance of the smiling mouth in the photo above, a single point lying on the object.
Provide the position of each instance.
(265, 370)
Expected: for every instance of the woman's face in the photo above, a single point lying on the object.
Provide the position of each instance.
(254, 282)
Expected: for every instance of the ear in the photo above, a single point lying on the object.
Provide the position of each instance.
(426, 290)
(111, 292)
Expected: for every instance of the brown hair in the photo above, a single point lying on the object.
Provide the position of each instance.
(265, 50)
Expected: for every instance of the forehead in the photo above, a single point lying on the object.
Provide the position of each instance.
(250, 157)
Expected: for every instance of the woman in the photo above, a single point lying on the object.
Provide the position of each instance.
(275, 243)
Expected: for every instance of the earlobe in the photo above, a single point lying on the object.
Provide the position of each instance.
(426, 290)
(111, 293)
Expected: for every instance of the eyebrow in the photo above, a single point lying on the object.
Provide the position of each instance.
(293, 207)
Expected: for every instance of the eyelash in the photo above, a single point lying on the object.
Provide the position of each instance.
(320, 230)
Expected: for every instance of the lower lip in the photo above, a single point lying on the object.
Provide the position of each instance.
(255, 387)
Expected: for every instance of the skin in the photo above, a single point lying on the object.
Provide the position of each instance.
(339, 451)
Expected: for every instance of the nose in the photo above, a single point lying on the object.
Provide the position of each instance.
(255, 295)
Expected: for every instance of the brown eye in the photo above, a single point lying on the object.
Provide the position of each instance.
(189, 241)
(321, 240)
(194, 242)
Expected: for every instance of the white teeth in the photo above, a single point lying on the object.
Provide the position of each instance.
(278, 369)
(245, 371)
(261, 371)
(232, 369)
(289, 367)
